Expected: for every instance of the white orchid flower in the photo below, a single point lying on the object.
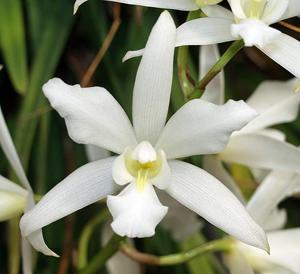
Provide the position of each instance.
(14, 199)
(256, 145)
(284, 243)
(186, 5)
(147, 151)
(249, 20)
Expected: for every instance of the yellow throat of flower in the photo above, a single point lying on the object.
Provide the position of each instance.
(256, 8)
(143, 172)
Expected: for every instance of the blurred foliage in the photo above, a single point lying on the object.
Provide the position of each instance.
(40, 39)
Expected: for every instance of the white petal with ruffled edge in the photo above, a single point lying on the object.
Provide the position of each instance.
(200, 127)
(152, 89)
(92, 115)
(204, 194)
(136, 213)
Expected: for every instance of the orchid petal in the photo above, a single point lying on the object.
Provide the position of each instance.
(95, 153)
(204, 31)
(136, 213)
(119, 171)
(275, 221)
(11, 153)
(186, 5)
(237, 8)
(77, 4)
(256, 150)
(276, 102)
(237, 263)
(11, 205)
(272, 133)
(216, 11)
(268, 195)
(214, 91)
(284, 257)
(200, 127)
(274, 10)
(270, 93)
(84, 186)
(284, 50)
(92, 115)
(26, 257)
(204, 194)
(132, 54)
(162, 179)
(153, 82)
(292, 10)
(285, 248)
(8, 186)
(213, 165)
(180, 221)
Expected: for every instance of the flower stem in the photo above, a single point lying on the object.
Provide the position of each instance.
(234, 48)
(86, 235)
(178, 258)
(186, 81)
(99, 260)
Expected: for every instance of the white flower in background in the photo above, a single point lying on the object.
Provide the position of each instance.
(14, 199)
(249, 20)
(284, 243)
(187, 5)
(256, 145)
(147, 151)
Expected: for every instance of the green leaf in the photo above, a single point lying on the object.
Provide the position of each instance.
(52, 39)
(13, 43)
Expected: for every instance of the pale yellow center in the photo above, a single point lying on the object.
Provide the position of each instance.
(143, 172)
(256, 8)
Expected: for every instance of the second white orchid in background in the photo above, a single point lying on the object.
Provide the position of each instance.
(256, 145)
(250, 21)
(14, 199)
(187, 5)
(147, 151)
(284, 255)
